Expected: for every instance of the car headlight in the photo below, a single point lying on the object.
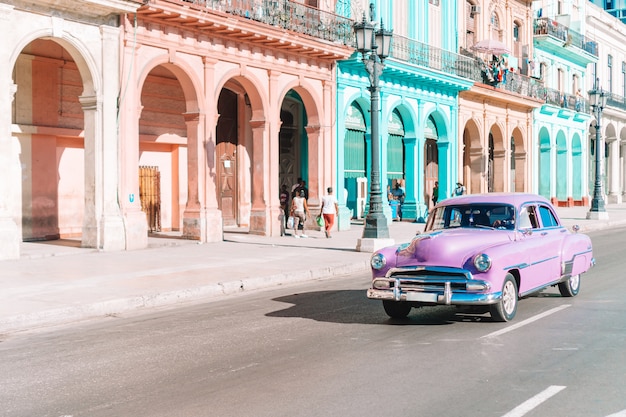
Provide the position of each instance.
(482, 262)
(378, 261)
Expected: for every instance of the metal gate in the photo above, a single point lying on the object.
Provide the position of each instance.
(150, 195)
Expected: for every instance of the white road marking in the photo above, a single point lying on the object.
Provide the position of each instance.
(527, 321)
(533, 402)
(618, 414)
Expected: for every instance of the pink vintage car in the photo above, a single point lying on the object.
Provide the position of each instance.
(482, 250)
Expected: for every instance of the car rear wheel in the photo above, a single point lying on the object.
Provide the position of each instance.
(396, 309)
(505, 309)
(570, 287)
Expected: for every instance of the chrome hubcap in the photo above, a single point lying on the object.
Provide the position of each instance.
(574, 282)
(508, 297)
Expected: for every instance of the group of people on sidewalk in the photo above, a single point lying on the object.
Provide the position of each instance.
(296, 211)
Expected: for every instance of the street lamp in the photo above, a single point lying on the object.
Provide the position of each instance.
(374, 47)
(597, 100)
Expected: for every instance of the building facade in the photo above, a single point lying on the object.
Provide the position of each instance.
(610, 72)
(419, 87)
(229, 101)
(561, 55)
(59, 75)
(127, 118)
(495, 115)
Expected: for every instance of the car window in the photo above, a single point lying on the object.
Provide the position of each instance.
(489, 215)
(547, 217)
(528, 218)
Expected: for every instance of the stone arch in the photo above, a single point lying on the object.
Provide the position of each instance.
(312, 143)
(171, 138)
(437, 155)
(410, 163)
(611, 161)
(561, 167)
(518, 161)
(472, 157)
(80, 54)
(259, 101)
(61, 184)
(578, 169)
(545, 162)
(496, 159)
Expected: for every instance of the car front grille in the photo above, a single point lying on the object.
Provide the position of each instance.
(429, 279)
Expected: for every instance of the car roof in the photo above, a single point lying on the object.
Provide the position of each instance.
(516, 199)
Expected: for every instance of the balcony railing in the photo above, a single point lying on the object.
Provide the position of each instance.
(617, 101)
(484, 73)
(566, 100)
(288, 15)
(418, 53)
(545, 26)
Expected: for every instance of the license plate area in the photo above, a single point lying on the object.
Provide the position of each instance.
(423, 297)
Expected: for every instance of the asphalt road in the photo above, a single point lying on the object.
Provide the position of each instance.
(323, 349)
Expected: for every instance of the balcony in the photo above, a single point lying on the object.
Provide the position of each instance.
(514, 82)
(616, 101)
(423, 55)
(287, 15)
(565, 100)
(560, 40)
(282, 25)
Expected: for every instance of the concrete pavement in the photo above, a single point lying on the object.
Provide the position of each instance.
(58, 282)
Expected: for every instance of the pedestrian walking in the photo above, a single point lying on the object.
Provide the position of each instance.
(330, 208)
(300, 210)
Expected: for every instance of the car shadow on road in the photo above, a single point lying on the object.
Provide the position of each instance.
(353, 307)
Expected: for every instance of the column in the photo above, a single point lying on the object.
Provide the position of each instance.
(194, 221)
(613, 172)
(10, 186)
(260, 212)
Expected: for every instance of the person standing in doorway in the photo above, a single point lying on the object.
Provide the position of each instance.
(300, 210)
(295, 187)
(460, 189)
(284, 205)
(330, 208)
(435, 195)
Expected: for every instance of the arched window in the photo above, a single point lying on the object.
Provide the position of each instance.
(495, 26)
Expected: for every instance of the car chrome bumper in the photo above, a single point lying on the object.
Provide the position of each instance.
(447, 297)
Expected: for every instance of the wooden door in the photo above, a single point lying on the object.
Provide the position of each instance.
(150, 195)
(227, 175)
(431, 170)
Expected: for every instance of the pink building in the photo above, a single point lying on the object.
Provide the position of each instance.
(187, 118)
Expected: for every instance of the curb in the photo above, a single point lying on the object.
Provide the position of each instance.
(66, 315)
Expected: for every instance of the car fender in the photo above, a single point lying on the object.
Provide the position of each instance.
(577, 254)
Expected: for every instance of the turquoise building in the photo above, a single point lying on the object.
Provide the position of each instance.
(418, 109)
(562, 55)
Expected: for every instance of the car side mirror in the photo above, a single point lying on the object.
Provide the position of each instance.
(527, 231)
(575, 228)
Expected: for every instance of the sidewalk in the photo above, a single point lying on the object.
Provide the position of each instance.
(59, 282)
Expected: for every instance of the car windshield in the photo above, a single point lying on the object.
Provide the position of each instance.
(482, 215)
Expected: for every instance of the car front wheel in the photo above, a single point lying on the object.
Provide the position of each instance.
(505, 309)
(396, 309)
(570, 287)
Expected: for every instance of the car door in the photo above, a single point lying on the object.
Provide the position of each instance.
(539, 249)
(553, 233)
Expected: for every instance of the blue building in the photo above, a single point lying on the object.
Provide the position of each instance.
(420, 85)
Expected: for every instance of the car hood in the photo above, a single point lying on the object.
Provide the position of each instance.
(451, 247)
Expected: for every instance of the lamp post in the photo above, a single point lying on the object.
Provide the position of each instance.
(374, 47)
(597, 99)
